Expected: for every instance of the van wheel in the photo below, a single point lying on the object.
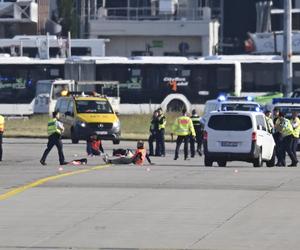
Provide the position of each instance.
(116, 141)
(271, 163)
(74, 139)
(257, 163)
(222, 163)
(207, 162)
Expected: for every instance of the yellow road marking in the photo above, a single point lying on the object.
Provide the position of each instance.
(39, 182)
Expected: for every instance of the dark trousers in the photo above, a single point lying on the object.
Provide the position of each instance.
(198, 140)
(179, 140)
(295, 146)
(278, 143)
(54, 140)
(1, 140)
(160, 143)
(151, 140)
(287, 146)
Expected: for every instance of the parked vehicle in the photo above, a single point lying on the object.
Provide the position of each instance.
(238, 136)
(84, 115)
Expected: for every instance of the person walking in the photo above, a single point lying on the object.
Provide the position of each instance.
(183, 127)
(160, 137)
(199, 131)
(1, 135)
(153, 132)
(285, 128)
(55, 129)
(295, 121)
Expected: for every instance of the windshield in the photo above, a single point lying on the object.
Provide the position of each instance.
(240, 106)
(43, 88)
(93, 106)
(230, 122)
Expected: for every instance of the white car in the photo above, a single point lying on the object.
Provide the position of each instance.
(238, 136)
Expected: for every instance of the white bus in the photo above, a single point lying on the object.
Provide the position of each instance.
(148, 82)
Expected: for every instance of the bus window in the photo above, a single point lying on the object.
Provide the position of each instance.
(43, 88)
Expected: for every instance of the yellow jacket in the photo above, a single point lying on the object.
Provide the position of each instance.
(1, 124)
(183, 126)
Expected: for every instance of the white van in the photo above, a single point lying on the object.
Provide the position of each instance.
(238, 136)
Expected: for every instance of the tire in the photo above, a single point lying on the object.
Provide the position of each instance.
(116, 141)
(74, 139)
(271, 163)
(258, 162)
(222, 163)
(207, 162)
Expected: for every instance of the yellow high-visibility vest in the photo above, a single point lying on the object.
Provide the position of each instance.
(1, 124)
(52, 128)
(287, 128)
(296, 128)
(183, 126)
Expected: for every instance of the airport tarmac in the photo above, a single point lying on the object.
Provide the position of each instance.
(170, 205)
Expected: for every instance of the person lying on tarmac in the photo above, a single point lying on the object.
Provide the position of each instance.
(138, 158)
(94, 145)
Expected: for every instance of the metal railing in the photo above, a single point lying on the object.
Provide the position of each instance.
(148, 13)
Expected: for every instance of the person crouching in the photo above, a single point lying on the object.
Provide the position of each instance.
(94, 145)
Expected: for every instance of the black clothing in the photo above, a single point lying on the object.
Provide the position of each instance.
(54, 139)
(160, 137)
(286, 146)
(199, 134)
(160, 143)
(179, 140)
(153, 134)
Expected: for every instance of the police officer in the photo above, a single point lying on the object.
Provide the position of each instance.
(1, 135)
(277, 135)
(285, 128)
(296, 126)
(160, 137)
(269, 120)
(199, 130)
(183, 127)
(153, 132)
(55, 128)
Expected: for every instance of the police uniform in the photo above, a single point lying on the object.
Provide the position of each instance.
(286, 131)
(160, 137)
(296, 130)
(1, 135)
(199, 131)
(54, 132)
(183, 127)
(153, 134)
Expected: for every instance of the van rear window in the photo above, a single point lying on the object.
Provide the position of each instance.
(230, 122)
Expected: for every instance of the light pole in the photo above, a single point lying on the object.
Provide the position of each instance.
(287, 49)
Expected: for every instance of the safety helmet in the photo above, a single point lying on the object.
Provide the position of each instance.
(140, 144)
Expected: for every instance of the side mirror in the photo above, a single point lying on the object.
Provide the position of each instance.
(117, 112)
(259, 127)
